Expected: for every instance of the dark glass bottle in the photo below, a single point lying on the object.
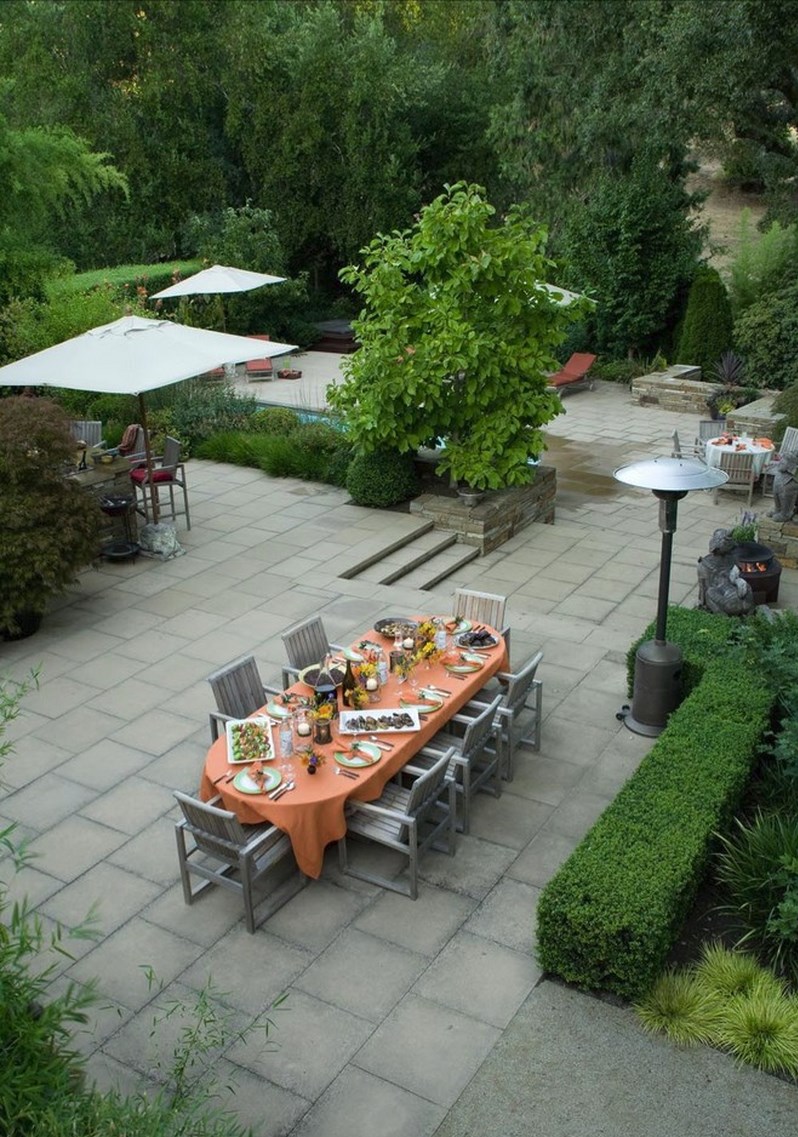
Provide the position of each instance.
(324, 687)
(348, 685)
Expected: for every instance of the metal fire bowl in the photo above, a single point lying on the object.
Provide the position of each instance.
(671, 475)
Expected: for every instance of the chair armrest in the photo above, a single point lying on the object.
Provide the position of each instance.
(381, 811)
(217, 719)
(268, 689)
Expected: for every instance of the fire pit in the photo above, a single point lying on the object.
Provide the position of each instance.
(761, 568)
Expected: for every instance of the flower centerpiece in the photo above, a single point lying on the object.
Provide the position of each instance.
(312, 760)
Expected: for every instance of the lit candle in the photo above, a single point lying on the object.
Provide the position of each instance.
(303, 729)
(372, 683)
(408, 643)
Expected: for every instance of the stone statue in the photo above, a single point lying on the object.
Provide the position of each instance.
(785, 487)
(721, 586)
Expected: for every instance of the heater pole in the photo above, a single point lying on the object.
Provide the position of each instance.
(668, 500)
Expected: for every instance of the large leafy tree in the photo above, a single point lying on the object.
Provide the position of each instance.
(42, 171)
(456, 338)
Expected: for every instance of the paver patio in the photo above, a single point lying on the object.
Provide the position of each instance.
(393, 1007)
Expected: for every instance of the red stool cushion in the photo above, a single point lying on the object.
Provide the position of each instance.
(140, 475)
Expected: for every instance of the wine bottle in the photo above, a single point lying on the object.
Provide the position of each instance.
(348, 685)
(324, 687)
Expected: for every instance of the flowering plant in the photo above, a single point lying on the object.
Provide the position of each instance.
(425, 633)
(367, 669)
(312, 759)
(359, 697)
(324, 713)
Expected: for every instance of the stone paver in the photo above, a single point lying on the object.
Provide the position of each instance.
(392, 1007)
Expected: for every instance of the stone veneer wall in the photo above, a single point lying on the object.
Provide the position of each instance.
(677, 389)
(757, 419)
(498, 516)
(782, 538)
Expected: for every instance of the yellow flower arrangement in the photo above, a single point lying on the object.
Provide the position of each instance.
(367, 669)
(324, 713)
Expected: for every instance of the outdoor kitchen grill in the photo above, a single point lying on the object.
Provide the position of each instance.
(761, 568)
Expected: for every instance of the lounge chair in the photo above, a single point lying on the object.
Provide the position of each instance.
(259, 368)
(574, 373)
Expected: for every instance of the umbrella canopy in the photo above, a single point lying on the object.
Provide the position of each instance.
(561, 296)
(217, 278)
(133, 355)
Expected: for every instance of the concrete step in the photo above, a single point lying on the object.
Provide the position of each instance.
(399, 562)
(438, 568)
(376, 546)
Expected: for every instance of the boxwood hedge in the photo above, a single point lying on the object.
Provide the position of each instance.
(608, 918)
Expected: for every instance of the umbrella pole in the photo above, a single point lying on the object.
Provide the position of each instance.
(148, 456)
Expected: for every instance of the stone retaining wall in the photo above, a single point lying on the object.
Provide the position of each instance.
(782, 538)
(677, 389)
(500, 515)
(757, 419)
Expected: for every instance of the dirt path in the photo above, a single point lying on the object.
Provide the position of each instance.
(722, 210)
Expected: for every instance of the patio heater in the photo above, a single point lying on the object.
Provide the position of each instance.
(658, 664)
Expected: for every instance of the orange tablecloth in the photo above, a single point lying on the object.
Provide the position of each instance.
(313, 813)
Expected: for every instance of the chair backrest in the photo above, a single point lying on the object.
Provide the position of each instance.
(480, 607)
(237, 687)
(789, 444)
(579, 363)
(707, 428)
(426, 786)
(521, 683)
(133, 441)
(171, 454)
(216, 831)
(306, 643)
(479, 730)
(739, 467)
(676, 452)
(88, 431)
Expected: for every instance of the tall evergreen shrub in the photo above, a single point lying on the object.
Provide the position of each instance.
(707, 328)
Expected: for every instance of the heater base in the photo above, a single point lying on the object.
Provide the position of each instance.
(657, 689)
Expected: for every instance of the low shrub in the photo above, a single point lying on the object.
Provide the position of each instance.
(729, 1001)
(758, 867)
(313, 451)
(382, 479)
(617, 370)
(766, 335)
(196, 410)
(274, 420)
(609, 917)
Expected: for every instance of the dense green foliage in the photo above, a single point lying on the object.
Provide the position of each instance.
(763, 263)
(707, 328)
(455, 341)
(276, 442)
(766, 335)
(49, 525)
(726, 1000)
(382, 478)
(634, 245)
(609, 917)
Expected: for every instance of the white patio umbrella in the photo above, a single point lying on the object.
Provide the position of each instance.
(217, 278)
(561, 296)
(131, 356)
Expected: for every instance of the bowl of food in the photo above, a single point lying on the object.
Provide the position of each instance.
(392, 626)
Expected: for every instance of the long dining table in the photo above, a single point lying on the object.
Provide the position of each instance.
(313, 813)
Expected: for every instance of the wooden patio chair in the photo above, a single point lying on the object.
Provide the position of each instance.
(575, 373)
(305, 643)
(221, 846)
(167, 473)
(518, 688)
(482, 608)
(740, 468)
(408, 819)
(239, 692)
(474, 737)
(676, 450)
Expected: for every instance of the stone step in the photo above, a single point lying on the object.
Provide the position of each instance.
(441, 566)
(377, 546)
(399, 562)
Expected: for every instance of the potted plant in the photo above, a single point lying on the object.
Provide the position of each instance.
(731, 394)
(49, 524)
(288, 371)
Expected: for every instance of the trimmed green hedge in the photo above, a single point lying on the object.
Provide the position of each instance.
(607, 920)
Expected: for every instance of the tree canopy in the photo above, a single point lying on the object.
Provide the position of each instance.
(456, 338)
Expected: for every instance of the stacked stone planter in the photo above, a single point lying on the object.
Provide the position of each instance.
(782, 538)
